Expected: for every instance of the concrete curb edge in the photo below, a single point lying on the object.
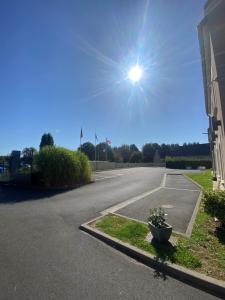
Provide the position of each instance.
(194, 215)
(190, 179)
(200, 281)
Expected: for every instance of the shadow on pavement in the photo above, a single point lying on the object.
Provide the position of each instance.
(165, 252)
(159, 273)
(14, 194)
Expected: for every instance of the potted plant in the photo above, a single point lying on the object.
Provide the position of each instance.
(160, 230)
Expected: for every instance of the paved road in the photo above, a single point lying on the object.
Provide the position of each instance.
(177, 195)
(43, 254)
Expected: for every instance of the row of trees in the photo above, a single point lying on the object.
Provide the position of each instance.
(103, 151)
(51, 166)
(29, 152)
(124, 153)
(131, 153)
(148, 153)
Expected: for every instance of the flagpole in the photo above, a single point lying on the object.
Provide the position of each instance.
(81, 136)
(106, 144)
(95, 149)
(95, 154)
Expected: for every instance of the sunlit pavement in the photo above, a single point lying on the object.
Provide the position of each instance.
(178, 197)
(43, 254)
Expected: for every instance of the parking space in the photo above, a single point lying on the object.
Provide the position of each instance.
(178, 197)
(179, 206)
(178, 181)
(100, 177)
(108, 174)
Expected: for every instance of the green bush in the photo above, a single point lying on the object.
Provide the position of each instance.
(85, 174)
(157, 217)
(214, 203)
(60, 167)
(184, 162)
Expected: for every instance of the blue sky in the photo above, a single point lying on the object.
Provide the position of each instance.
(64, 65)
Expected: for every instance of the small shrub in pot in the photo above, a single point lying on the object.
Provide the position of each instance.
(160, 230)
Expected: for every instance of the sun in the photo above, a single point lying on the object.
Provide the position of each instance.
(135, 73)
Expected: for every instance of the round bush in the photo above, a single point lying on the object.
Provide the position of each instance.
(214, 202)
(85, 174)
(60, 167)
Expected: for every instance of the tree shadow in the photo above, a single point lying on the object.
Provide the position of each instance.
(159, 273)
(164, 252)
(220, 234)
(10, 194)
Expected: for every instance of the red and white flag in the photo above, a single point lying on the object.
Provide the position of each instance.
(108, 141)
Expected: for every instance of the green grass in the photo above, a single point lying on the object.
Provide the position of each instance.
(196, 157)
(204, 179)
(207, 241)
(134, 233)
(204, 251)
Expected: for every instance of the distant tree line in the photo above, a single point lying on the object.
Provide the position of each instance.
(51, 166)
(148, 153)
(26, 156)
(124, 153)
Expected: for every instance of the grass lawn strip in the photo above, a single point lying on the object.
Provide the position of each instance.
(204, 251)
(206, 242)
(134, 233)
(204, 179)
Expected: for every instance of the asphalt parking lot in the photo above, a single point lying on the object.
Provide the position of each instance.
(178, 196)
(44, 255)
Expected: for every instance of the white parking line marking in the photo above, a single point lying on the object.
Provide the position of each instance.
(163, 183)
(176, 189)
(108, 177)
(129, 201)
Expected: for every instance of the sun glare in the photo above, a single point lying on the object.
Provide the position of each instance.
(135, 73)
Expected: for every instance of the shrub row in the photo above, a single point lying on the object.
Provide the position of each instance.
(215, 204)
(60, 167)
(183, 163)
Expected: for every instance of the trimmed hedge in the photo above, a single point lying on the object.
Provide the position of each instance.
(85, 174)
(183, 163)
(60, 167)
(215, 204)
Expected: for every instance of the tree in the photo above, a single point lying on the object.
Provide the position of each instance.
(14, 161)
(133, 148)
(46, 140)
(88, 149)
(28, 155)
(136, 157)
(148, 152)
(163, 150)
(125, 152)
(104, 152)
(117, 155)
(175, 149)
(4, 159)
(157, 157)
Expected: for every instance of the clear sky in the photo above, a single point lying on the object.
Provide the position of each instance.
(64, 65)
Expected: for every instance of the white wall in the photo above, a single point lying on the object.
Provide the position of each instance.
(106, 165)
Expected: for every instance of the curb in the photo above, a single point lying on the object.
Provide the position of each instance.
(194, 215)
(200, 281)
(190, 179)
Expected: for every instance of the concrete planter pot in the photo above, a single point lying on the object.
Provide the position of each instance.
(162, 235)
